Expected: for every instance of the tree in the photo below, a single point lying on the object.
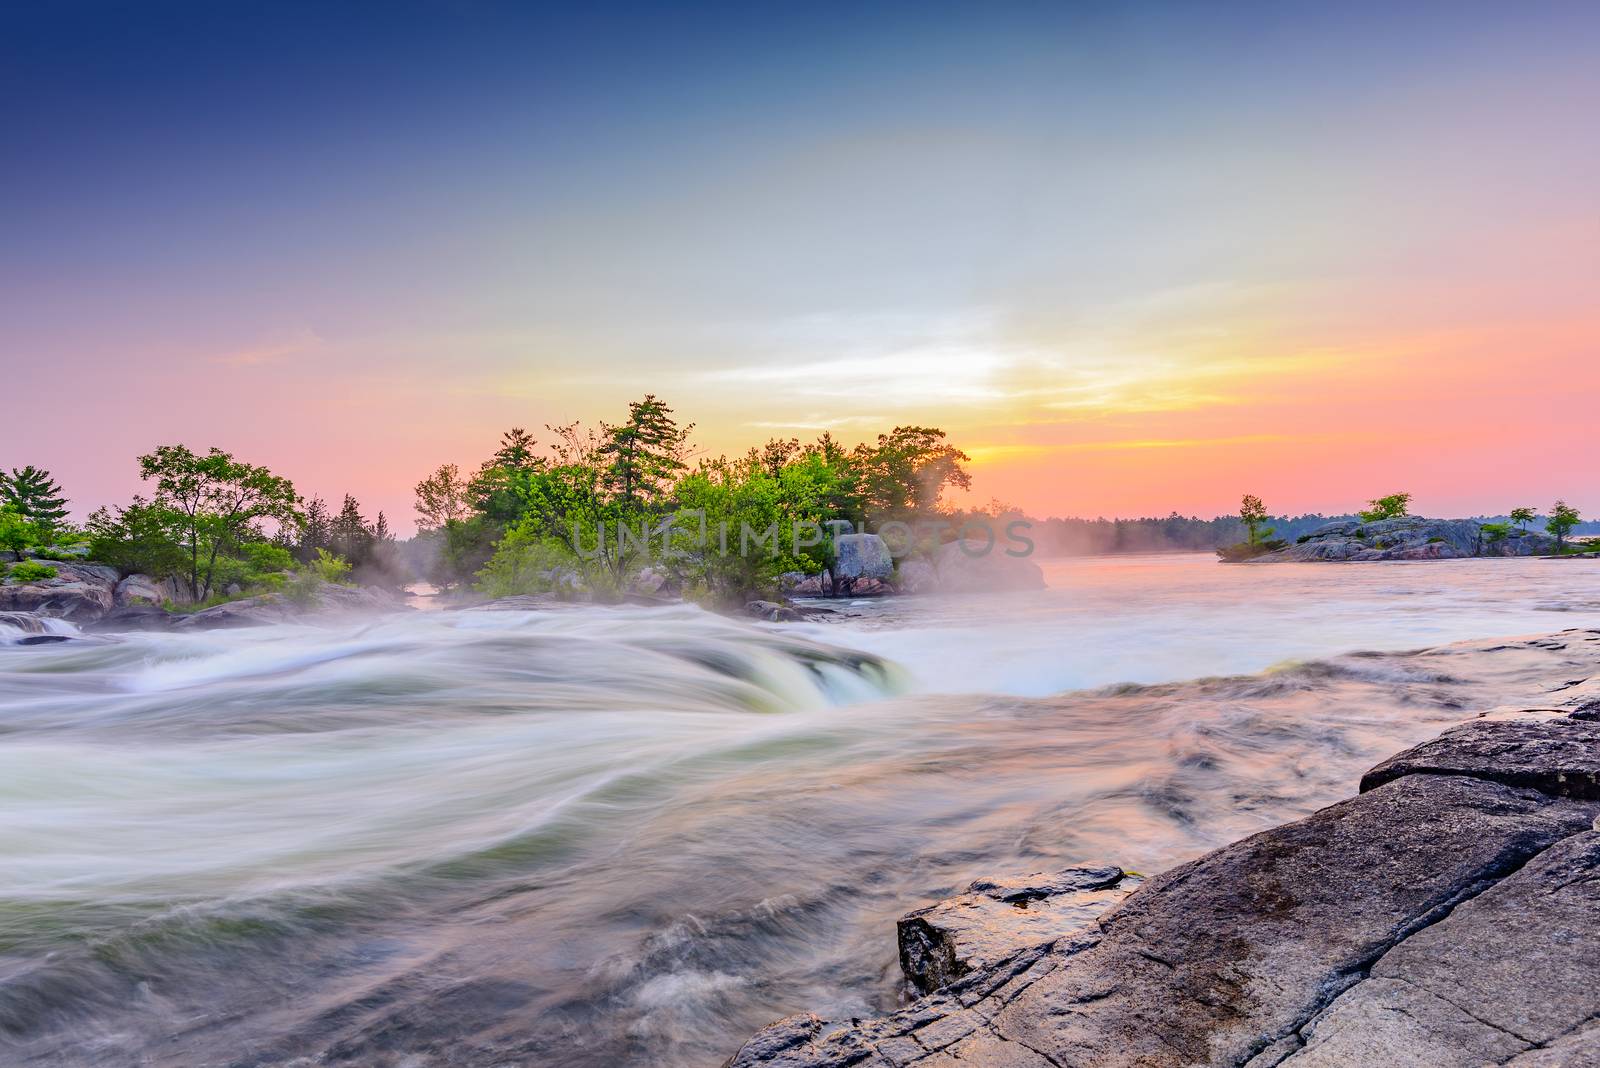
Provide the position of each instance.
(442, 497)
(1563, 517)
(315, 530)
(380, 530)
(644, 454)
(515, 451)
(36, 496)
(17, 532)
(1393, 506)
(348, 535)
(214, 502)
(1522, 517)
(906, 472)
(1253, 513)
(141, 538)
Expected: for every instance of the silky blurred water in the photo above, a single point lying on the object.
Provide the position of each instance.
(596, 836)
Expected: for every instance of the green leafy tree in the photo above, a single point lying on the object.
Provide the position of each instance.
(442, 497)
(17, 531)
(139, 539)
(1563, 517)
(907, 471)
(37, 496)
(215, 503)
(1394, 506)
(1522, 517)
(1253, 514)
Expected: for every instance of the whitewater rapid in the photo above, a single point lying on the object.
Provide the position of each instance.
(603, 836)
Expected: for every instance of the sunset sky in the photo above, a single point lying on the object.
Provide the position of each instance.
(1135, 258)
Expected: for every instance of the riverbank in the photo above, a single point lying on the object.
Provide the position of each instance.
(1447, 914)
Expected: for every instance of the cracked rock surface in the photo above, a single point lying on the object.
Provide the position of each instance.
(1447, 915)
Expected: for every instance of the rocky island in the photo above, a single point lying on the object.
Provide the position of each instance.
(1443, 915)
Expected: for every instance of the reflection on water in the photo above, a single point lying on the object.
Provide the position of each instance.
(609, 836)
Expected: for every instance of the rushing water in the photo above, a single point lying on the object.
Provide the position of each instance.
(632, 836)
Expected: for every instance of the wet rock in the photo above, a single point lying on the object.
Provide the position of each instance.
(1559, 756)
(79, 592)
(276, 608)
(135, 616)
(22, 622)
(1228, 958)
(771, 611)
(45, 639)
(995, 919)
(1511, 969)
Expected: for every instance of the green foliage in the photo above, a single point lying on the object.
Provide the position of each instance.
(1436, 541)
(1394, 506)
(141, 538)
(30, 571)
(35, 495)
(906, 472)
(643, 455)
(329, 568)
(1563, 517)
(526, 562)
(253, 566)
(442, 497)
(1523, 516)
(1245, 550)
(1493, 533)
(214, 503)
(17, 531)
(1252, 513)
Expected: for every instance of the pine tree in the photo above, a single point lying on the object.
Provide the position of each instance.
(349, 534)
(314, 531)
(645, 453)
(36, 495)
(380, 530)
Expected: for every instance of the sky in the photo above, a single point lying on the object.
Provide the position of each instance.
(1134, 258)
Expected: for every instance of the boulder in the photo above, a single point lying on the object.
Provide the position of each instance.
(771, 611)
(136, 616)
(916, 575)
(78, 592)
(980, 567)
(861, 556)
(1440, 917)
(995, 919)
(800, 584)
(141, 589)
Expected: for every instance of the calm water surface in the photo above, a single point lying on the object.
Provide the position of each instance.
(632, 836)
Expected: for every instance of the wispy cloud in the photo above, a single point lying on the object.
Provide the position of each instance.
(275, 352)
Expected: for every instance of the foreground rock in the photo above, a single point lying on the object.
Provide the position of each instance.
(1408, 538)
(78, 592)
(328, 599)
(1443, 916)
(996, 919)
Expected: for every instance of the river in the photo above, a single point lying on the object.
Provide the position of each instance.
(607, 836)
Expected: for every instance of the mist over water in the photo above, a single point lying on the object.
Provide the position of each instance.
(591, 836)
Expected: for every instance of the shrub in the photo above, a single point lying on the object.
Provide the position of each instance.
(1435, 540)
(31, 571)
